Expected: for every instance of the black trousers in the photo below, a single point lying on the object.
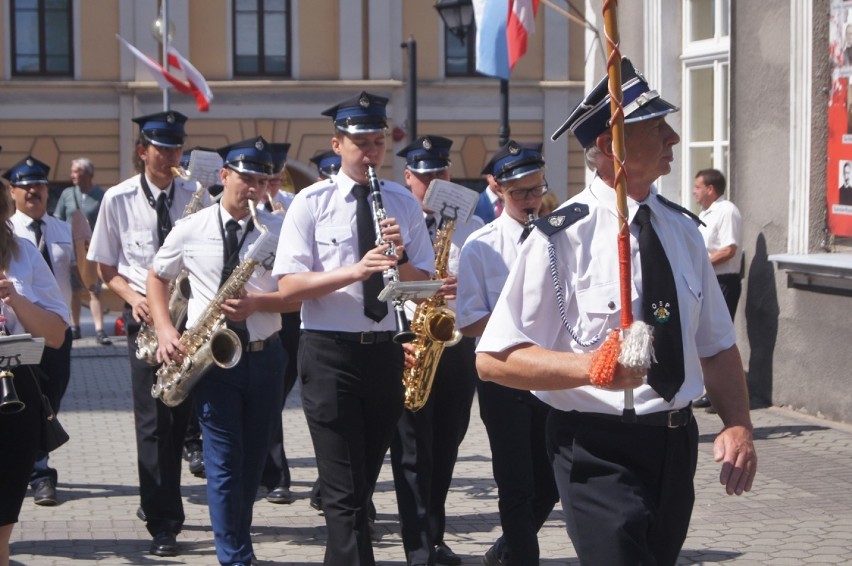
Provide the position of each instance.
(515, 421)
(626, 489)
(19, 437)
(276, 471)
(353, 397)
(732, 287)
(425, 448)
(159, 442)
(54, 377)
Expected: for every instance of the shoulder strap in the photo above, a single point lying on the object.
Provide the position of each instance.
(682, 210)
(561, 218)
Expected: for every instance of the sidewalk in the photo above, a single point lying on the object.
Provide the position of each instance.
(800, 511)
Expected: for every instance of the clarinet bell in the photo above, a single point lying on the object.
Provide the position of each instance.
(9, 402)
(404, 333)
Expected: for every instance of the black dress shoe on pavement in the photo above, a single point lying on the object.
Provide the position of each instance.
(164, 544)
(280, 495)
(45, 493)
(102, 339)
(141, 514)
(701, 403)
(75, 333)
(492, 557)
(196, 463)
(444, 555)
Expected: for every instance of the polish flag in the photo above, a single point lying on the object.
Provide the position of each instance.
(194, 84)
(502, 27)
(521, 24)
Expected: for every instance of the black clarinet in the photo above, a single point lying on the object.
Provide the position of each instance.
(403, 328)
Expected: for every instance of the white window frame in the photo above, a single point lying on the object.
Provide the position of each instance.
(707, 53)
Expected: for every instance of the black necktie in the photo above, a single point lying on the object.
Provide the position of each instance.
(372, 286)
(660, 309)
(527, 231)
(230, 250)
(42, 245)
(164, 221)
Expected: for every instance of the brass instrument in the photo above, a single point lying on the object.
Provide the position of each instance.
(434, 325)
(9, 402)
(179, 290)
(403, 329)
(209, 341)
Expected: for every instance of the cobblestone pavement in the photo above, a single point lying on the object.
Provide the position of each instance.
(800, 511)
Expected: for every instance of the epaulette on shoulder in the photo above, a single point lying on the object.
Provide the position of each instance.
(682, 210)
(561, 218)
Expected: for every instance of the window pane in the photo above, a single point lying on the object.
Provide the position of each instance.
(56, 33)
(247, 64)
(59, 64)
(26, 33)
(457, 53)
(26, 64)
(701, 158)
(725, 26)
(702, 15)
(723, 78)
(60, 5)
(246, 5)
(246, 40)
(701, 104)
(26, 4)
(275, 34)
(274, 6)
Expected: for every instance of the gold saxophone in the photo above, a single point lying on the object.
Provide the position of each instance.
(209, 341)
(146, 339)
(434, 328)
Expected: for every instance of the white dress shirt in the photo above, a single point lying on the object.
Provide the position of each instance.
(723, 228)
(320, 234)
(125, 235)
(32, 279)
(196, 243)
(587, 257)
(59, 245)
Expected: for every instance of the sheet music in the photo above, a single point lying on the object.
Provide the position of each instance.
(407, 290)
(20, 349)
(451, 200)
(204, 167)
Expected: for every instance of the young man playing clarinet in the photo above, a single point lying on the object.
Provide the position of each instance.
(349, 364)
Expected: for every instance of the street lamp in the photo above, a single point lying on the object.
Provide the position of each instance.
(411, 47)
(458, 17)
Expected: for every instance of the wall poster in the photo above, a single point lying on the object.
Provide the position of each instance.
(839, 189)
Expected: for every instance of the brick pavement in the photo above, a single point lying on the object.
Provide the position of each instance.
(800, 511)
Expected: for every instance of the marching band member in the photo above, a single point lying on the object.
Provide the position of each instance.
(276, 471)
(237, 406)
(135, 217)
(514, 419)
(350, 367)
(30, 303)
(426, 444)
(28, 187)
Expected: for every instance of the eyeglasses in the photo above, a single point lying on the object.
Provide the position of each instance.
(522, 194)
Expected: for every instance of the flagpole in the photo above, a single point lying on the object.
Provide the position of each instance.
(165, 42)
(505, 131)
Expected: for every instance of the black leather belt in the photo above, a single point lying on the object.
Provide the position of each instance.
(668, 419)
(357, 337)
(260, 345)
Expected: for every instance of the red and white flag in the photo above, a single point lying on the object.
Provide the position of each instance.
(194, 84)
(521, 24)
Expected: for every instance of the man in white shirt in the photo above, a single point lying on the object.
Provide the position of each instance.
(28, 187)
(722, 233)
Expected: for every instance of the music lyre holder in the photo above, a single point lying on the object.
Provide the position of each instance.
(16, 350)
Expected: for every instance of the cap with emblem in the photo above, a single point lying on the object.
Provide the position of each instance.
(327, 162)
(363, 114)
(279, 156)
(591, 117)
(249, 157)
(515, 160)
(163, 129)
(427, 154)
(28, 171)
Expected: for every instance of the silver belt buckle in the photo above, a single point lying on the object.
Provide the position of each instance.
(675, 419)
(368, 338)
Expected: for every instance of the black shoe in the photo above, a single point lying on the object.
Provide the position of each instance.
(101, 338)
(280, 495)
(492, 556)
(75, 333)
(196, 463)
(701, 403)
(45, 493)
(444, 555)
(316, 503)
(141, 514)
(164, 544)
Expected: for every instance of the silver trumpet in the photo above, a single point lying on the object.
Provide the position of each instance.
(403, 328)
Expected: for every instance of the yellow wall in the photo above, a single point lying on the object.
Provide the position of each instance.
(99, 50)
